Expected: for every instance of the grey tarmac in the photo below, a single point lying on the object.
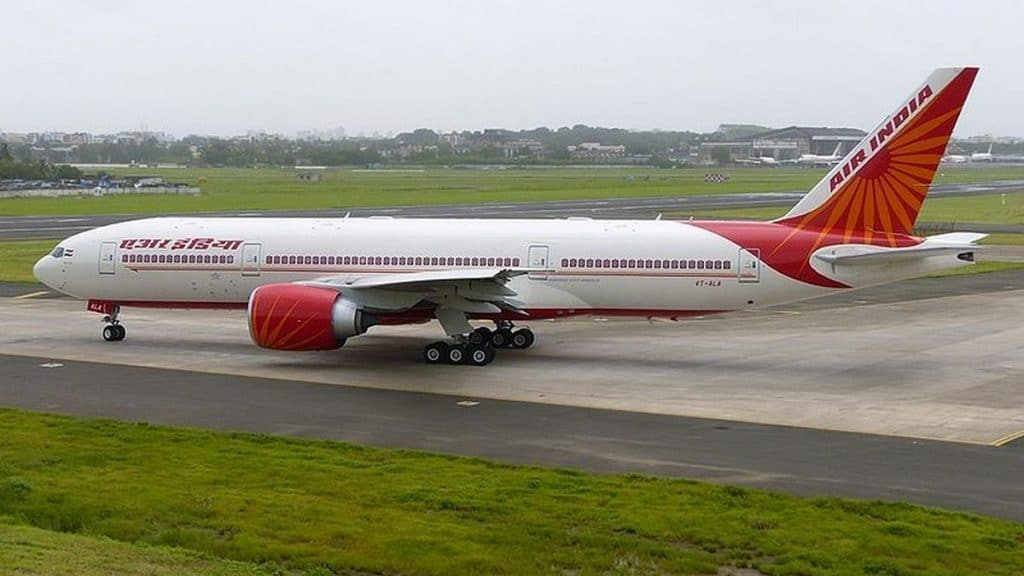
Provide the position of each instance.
(908, 391)
(981, 479)
(28, 227)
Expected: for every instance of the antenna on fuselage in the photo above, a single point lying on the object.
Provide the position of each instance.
(659, 216)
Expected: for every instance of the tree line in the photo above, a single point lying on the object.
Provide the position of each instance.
(12, 168)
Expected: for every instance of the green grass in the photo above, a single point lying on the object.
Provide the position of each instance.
(314, 505)
(18, 256)
(29, 551)
(1004, 239)
(982, 209)
(979, 268)
(277, 189)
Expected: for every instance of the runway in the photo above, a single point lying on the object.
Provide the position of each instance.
(28, 227)
(870, 395)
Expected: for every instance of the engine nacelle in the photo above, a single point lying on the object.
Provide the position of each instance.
(297, 317)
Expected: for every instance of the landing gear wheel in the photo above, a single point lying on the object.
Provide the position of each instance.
(435, 353)
(480, 336)
(456, 354)
(502, 338)
(113, 333)
(481, 355)
(121, 332)
(522, 338)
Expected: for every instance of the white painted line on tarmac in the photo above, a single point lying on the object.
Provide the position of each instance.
(32, 295)
(467, 403)
(51, 365)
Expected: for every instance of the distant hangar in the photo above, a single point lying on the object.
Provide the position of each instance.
(786, 143)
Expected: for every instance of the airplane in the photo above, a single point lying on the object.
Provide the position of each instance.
(819, 159)
(982, 156)
(313, 283)
(758, 161)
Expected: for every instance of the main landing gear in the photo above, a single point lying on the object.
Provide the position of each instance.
(478, 347)
(113, 331)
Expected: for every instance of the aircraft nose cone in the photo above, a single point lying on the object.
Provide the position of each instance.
(44, 270)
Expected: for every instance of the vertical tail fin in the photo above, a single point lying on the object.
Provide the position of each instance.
(878, 187)
(839, 147)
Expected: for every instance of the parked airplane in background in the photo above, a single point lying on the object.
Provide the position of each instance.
(982, 156)
(310, 284)
(819, 159)
(759, 161)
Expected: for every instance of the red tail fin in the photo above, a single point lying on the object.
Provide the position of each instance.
(876, 191)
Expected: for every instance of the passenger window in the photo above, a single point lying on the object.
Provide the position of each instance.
(700, 264)
(727, 264)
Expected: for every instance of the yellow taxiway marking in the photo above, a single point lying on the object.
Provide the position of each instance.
(32, 295)
(1009, 438)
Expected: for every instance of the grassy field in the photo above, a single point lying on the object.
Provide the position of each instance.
(277, 189)
(980, 268)
(327, 507)
(18, 256)
(29, 551)
(986, 209)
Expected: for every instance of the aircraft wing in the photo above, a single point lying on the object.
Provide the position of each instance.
(452, 293)
(932, 246)
(419, 280)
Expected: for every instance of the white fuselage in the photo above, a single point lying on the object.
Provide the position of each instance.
(615, 267)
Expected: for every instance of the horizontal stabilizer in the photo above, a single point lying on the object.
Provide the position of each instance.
(954, 243)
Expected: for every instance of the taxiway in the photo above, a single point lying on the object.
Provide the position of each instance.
(907, 391)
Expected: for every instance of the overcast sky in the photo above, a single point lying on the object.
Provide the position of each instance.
(219, 67)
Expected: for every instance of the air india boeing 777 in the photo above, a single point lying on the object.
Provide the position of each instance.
(310, 284)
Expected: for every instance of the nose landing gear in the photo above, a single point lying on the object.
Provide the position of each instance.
(113, 331)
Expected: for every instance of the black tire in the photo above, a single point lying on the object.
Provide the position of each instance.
(481, 355)
(480, 336)
(456, 355)
(436, 353)
(121, 332)
(110, 333)
(502, 338)
(522, 338)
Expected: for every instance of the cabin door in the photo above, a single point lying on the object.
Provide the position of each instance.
(250, 259)
(750, 266)
(538, 258)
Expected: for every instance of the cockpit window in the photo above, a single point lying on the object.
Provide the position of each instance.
(58, 252)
